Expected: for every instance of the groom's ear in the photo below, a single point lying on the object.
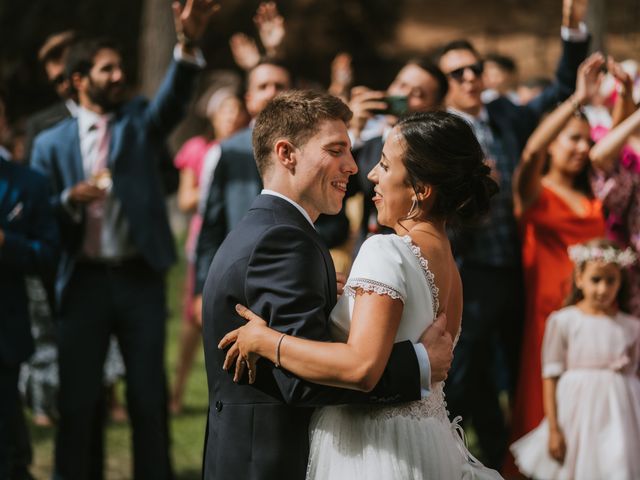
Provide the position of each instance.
(285, 154)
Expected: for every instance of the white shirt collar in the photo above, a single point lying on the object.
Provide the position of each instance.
(72, 106)
(87, 119)
(5, 154)
(300, 209)
(483, 116)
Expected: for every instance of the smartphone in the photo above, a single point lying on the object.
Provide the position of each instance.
(396, 106)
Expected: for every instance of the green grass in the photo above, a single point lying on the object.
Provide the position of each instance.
(187, 429)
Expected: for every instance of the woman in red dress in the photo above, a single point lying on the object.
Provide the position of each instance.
(556, 208)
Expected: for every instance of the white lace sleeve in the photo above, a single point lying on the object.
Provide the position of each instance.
(378, 268)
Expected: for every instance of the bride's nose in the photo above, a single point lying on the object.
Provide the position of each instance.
(372, 175)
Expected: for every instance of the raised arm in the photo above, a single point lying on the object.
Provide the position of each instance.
(341, 76)
(575, 43)
(624, 105)
(170, 102)
(626, 120)
(605, 154)
(528, 176)
(271, 28)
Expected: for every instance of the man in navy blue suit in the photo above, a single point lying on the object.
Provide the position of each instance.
(116, 244)
(28, 245)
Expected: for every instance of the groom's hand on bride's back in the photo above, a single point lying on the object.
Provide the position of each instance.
(439, 344)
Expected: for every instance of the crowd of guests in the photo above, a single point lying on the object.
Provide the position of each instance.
(84, 265)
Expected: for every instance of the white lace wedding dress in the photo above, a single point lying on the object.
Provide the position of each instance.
(407, 441)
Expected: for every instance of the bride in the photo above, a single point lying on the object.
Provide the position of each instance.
(431, 174)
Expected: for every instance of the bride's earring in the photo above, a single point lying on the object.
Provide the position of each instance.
(414, 205)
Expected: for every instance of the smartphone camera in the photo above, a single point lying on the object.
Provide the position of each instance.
(396, 106)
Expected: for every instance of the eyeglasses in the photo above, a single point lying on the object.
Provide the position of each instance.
(58, 79)
(458, 74)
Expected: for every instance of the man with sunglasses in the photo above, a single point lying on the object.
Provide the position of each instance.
(52, 56)
(489, 254)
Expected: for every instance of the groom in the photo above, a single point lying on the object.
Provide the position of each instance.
(275, 263)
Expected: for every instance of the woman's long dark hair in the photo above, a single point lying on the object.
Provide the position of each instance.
(442, 151)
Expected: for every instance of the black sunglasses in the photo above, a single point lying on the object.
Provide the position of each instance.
(58, 79)
(458, 74)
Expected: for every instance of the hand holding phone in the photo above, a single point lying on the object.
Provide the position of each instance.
(396, 105)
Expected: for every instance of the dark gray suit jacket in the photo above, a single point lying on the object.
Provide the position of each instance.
(275, 263)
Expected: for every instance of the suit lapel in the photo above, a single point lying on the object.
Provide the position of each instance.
(77, 168)
(296, 218)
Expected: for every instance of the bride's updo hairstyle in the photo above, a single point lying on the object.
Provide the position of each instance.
(442, 151)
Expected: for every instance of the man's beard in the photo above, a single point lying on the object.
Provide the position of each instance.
(108, 97)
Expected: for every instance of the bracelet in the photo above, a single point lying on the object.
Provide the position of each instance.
(575, 104)
(278, 349)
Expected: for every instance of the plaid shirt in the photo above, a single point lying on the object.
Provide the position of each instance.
(494, 242)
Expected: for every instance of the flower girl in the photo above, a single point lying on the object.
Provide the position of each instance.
(591, 389)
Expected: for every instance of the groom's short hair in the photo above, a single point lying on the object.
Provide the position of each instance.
(293, 115)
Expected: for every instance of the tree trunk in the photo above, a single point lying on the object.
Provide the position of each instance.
(157, 40)
(597, 23)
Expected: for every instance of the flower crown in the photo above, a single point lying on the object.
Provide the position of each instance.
(580, 254)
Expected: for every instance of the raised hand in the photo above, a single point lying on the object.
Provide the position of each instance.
(341, 75)
(270, 25)
(589, 78)
(363, 102)
(615, 69)
(574, 12)
(192, 19)
(439, 347)
(244, 50)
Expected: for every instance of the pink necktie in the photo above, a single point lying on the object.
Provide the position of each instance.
(95, 210)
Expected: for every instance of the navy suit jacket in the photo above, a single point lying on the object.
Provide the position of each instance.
(275, 262)
(138, 133)
(30, 247)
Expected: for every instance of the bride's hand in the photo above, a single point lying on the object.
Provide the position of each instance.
(244, 344)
